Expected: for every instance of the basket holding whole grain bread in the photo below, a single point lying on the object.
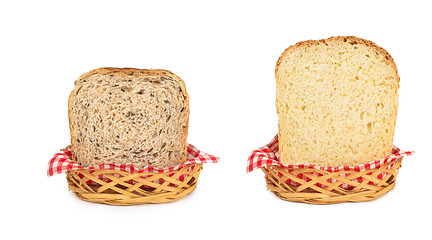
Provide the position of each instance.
(128, 131)
(337, 102)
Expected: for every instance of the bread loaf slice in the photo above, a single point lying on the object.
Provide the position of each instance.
(126, 115)
(337, 101)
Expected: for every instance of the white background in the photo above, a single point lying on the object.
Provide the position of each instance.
(225, 52)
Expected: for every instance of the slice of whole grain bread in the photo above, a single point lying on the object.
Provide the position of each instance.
(337, 101)
(127, 115)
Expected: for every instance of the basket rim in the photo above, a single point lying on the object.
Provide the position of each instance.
(63, 162)
(268, 155)
(92, 169)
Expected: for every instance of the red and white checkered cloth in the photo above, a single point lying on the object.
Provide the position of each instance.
(269, 156)
(62, 162)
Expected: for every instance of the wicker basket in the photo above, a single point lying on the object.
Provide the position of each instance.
(323, 187)
(122, 188)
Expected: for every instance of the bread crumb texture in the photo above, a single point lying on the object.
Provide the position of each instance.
(337, 101)
(125, 115)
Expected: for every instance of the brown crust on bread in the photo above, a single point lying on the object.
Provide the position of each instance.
(350, 39)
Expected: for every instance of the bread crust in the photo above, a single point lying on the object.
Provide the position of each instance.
(127, 73)
(351, 39)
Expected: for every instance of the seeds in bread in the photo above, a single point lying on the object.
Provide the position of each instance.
(337, 101)
(125, 115)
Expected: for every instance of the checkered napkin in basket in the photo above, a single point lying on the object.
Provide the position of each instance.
(62, 162)
(269, 155)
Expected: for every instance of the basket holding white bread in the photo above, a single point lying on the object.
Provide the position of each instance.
(337, 102)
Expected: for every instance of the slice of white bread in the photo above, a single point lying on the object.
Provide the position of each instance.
(337, 101)
(126, 115)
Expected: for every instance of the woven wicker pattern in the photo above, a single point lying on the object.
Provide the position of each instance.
(323, 187)
(121, 188)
